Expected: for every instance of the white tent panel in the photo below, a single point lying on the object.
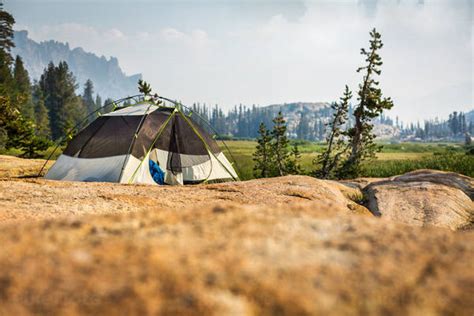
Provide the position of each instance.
(68, 168)
(139, 109)
(210, 170)
(108, 169)
(137, 172)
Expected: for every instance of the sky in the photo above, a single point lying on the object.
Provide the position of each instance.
(266, 52)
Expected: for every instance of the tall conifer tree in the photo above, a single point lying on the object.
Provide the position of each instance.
(64, 107)
(330, 158)
(293, 164)
(98, 102)
(41, 112)
(262, 154)
(88, 100)
(109, 106)
(280, 150)
(23, 88)
(20, 131)
(370, 105)
(6, 33)
(6, 43)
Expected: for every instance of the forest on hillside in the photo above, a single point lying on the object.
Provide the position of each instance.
(242, 122)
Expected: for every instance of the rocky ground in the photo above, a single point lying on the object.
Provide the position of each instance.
(290, 245)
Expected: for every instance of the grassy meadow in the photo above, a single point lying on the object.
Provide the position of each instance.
(394, 159)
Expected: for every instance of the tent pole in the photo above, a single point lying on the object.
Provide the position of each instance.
(162, 128)
(208, 124)
(132, 143)
(207, 146)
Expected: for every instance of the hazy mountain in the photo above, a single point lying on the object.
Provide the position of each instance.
(317, 113)
(310, 107)
(109, 80)
(313, 111)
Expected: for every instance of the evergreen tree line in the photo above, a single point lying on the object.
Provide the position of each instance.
(456, 127)
(56, 91)
(35, 114)
(17, 108)
(244, 121)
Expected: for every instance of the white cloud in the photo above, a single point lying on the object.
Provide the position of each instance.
(427, 54)
(171, 34)
(113, 34)
(78, 35)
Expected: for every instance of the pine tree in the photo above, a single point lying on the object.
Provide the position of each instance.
(280, 151)
(144, 87)
(463, 124)
(22, 86)
(98, 102)
(293, 165)
(64, 106)
(262, 154)
(41, 113)
(6, 43)
(20, 131)
(109, 106)
(467, 139)
(336, 148)
(454, 123)
(88, 100)
(370, 106)
(6, 34)
(6, 78)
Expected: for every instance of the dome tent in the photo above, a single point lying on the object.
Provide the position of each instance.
(118, 146)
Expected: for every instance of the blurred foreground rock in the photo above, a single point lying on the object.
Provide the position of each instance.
(281, 246)
(227, 259)
(25, 199)
(424, 198)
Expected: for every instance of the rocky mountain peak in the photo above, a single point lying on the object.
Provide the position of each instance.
(108, 78)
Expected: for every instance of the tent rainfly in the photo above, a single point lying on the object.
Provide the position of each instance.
(118, 147)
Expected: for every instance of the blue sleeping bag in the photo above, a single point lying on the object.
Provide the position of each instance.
(156, 173)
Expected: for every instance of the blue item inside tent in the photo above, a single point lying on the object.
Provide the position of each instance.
(156, 173)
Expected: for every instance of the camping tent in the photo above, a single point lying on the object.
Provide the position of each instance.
(118, 147)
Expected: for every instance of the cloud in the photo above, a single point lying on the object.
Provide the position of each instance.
(194, 39)
(427, 54)
(78, 35)
(171, 34)
(114, 34)
(263, 53)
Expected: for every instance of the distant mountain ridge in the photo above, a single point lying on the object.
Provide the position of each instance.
(317, 115)
(108, 78)
(298, 107)
(313, 111)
